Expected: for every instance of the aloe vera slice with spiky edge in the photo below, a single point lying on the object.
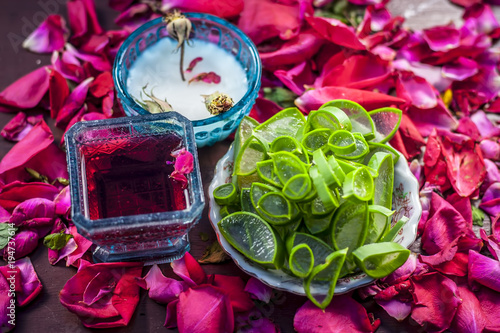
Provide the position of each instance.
(226, 194)
(318, 224)
(379, 222)
(297, 187)
(301, 260)
(320, 249)
(338, 172)
(380, 147)
(360, 151)
(330, 117)
(328, 271)
(284, 143)
(386, 122)
(246, 201)
(360, 119)
(316, 139)
(380, 259)
(276, 209)
(265, 170)
(350, 225)
(349, 166)
(245, 130)
(257, 190)
(324, 168)
(254, 238)
(287, 165)
(289, 121)
(384, 182)
(358, 183)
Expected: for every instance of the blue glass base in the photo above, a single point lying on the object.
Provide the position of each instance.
(149, 256)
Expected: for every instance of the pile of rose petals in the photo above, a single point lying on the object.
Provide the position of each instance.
(444, 78)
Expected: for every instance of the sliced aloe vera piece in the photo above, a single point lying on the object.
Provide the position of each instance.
(286, 122)
(386, 122)
(324, 168)
(253, 151)
(380, 259)
(358, 183)
(226, 194)
(330, 117)
(265, 170)
(379, 222)
(342, 142)
(350, 225)
(318, 224)
(360, 151)
(326, 195)
(254, 238)
(287, 229)
(360, 119)
(246, 201)
(284, 143)
(380, 147)
(394, 231)
(287, 165)
(384, 182)
(320, 249)
(329, 271)
(245, 130)
(316, 139)
(338, 172)
(276, 209)
(227, 210)
(301, 260)
(298, 187)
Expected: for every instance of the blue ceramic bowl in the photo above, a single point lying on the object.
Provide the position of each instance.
(207, 28)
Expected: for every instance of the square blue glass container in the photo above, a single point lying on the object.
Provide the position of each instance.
(150, 237)
(208, 28)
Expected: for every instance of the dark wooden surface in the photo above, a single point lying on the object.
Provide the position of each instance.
(45, 314)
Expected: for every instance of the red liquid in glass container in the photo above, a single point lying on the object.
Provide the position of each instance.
(130, 176)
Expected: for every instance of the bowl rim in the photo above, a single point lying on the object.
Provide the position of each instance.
(253, 84)
(361, 279)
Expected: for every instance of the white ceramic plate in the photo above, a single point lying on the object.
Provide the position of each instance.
(405, 203)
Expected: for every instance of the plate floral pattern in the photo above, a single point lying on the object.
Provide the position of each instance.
(405, 203)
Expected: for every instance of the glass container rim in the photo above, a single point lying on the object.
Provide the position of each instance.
(253, 84)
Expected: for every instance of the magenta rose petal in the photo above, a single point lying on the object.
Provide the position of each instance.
(492, 174)
(444, 225)
(436, 301)
(30, 282)
(17, 128)
(343, 314)
(489, 300)
(102, 85)
(294, 51)
(234, 287)
(116, 307)
(486, 128)
(416, 91)
(469, 317)
(161, 288)
(483, 17)
(188, 269)
(222, 8)
(171, 318)
(264, 109)
(58, 91)
(297, 78)
(442, 38)
(484, 270)
(490, 149)
(493, 247)
(461, 69)
(495, 227)
(490, 202)
(467, 127)
(63, 202)
(336, 32)
(50, 36)
(68, 66)
(313, 99)
(82, 20)
(402, 273)
(397, 309)
(204, 309)
(25, 242)
(73, 103)
(184, 161)
(264, 19)
(16, 192)
(192, 64)
(27, 91)
(258, 290)
(134, 16)
(82, 244)
(32, 208)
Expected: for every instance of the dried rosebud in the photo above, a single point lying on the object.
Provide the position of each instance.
(178, 26)
(155, 105)
(217, 103)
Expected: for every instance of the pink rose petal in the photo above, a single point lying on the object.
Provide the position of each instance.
(188, 269)
(469, 317)
(461, 69)
(17, 128)
(63, 202)
(204, 309)
(467, 127)
(82, 20)
(222, 8)
(342, 315)
(82, 244)
(297, 78)
(402, 273)
(491, 244)
(16, 192)
(485, 126)
(234, 287)
(436, 301)
(110, 310)
(58, 92)
(73, 103)
(336, 32)
(25, 242)
(30, 282)
(490, 149)
(171, 318)
(27, 91)
(397, 309)
(32, 208)
(483, 17)
(294, 51)
(192, 64)
(258, 290)
(50, 36)
(416, 90)
(442, 38)
(484, 270)
(489, 301)
(490, 202)
(135, 16)
(264, 109)
(161, 289)
(313, 99)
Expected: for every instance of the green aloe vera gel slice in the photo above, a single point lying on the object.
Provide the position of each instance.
(342, 142)
(254, 238)
(386, 122)
(226, 194)
(360, 119)
(350, 225)
(287, 165)
(301, 260)
(286, 122)
(380, 259)
(245, 131)
(358, 183)
(316, 139)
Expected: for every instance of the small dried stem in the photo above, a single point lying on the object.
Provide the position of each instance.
(181, 66)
